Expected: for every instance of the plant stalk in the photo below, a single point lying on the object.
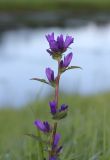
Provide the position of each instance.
(56, 99)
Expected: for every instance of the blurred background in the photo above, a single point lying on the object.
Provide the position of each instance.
(23, 26)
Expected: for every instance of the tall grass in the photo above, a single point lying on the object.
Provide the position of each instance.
(86, 131)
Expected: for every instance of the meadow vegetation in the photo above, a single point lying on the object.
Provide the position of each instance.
(41, 5)
(85, 131)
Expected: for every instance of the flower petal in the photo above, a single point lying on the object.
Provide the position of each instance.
(68, 59)
(39, 125)
(50, 37)
(56, 140)
(53, 158)
(53, 105)
(49, 74)
(54, 46)
(63, 107)
(68, 41)
(60, 42)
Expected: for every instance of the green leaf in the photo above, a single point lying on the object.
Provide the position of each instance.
(41, 80)
(39, 139)
(60, 115)
(71, 67)
(52, 84)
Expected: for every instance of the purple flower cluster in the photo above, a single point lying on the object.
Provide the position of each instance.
(58, 46)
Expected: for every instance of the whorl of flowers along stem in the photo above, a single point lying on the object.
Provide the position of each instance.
(57, 47)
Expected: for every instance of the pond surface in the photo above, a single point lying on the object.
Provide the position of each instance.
(23, 56)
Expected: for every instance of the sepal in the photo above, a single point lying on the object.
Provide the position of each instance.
(60, 115)
(57, 56)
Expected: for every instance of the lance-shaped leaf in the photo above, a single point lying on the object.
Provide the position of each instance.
(39, 139)
(41, 80)
(71, 67)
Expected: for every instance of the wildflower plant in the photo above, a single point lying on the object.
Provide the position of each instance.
(57, 48)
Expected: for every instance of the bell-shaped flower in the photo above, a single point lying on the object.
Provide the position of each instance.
(54, 110)
(43, 126)
(56, 148)
(56, 140)
(53, 107)
(63, 107)
(50, 74)
(67, 60)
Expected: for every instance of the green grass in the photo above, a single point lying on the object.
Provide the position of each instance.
(85, 132)
(39, 5)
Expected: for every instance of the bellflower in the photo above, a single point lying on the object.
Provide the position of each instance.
(56, 147)
(43, 126)
(65, 63)
(58, 46)
(63, 107)
(56, 140)
(50, 74)
(53, 107)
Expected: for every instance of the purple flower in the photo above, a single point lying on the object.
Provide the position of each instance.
(50, 74)
(67, 60)
(59, 45)
(53, 158)
(56, 140)
(56, 147)
(50, 37)
(63, 107)
(53, 106)
(68, 41)
(43, 126)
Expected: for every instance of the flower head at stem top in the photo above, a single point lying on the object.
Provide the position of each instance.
(43, 126)
(67, 60)
(58, 46)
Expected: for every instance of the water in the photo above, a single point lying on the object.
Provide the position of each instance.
(23, 56)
